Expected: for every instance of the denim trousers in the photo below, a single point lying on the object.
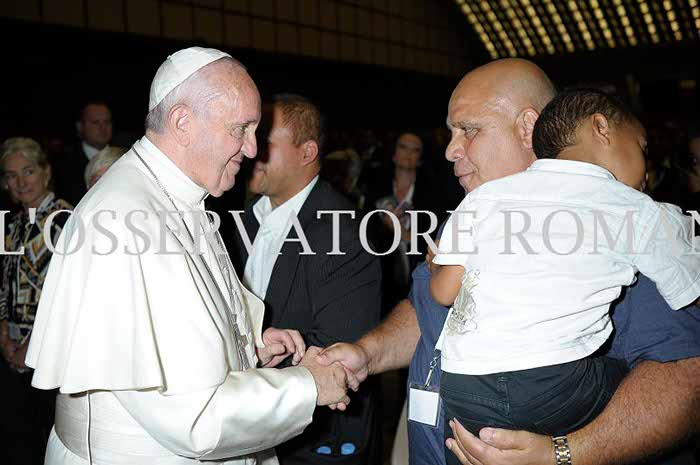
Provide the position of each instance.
(553, 400)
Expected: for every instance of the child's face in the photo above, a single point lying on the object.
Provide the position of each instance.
(628, 146)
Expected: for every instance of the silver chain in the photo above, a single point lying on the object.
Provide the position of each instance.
(233, 296)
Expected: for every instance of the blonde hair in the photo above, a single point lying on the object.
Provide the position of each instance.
(102, 159)
(29, 148)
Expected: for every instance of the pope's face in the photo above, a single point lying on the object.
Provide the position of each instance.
(226, 133)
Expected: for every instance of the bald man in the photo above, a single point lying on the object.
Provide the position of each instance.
(491, 115)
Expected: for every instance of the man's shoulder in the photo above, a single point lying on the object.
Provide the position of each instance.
(325, 199)
(647, 329)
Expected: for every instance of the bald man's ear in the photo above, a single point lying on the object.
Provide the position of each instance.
(309, 152)
(601, 129)
(525, 124)
(180, 124)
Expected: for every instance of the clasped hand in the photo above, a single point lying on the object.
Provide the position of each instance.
(280, 344)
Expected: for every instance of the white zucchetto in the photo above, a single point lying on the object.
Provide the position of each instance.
(177, 68)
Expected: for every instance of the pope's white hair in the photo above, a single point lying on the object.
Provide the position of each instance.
(195, 92)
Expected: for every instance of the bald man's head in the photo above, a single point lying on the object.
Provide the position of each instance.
(491, 114)
(509, 84)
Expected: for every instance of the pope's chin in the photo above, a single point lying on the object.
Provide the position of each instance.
(464, 182)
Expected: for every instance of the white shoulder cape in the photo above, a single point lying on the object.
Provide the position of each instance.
(121, 321)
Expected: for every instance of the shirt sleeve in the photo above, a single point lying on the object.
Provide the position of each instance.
(251, 411)
(665, 254)
(646, 329)
(457, 239)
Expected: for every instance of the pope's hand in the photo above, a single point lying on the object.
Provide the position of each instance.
(332, 381)
(280, 344)
(352, 356)
(500, 447)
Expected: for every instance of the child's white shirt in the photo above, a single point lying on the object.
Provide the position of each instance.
(546, 252)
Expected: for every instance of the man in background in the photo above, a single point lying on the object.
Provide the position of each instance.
(94, 126)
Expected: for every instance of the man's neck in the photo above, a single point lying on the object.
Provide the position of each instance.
(90, 150)
(279, 199)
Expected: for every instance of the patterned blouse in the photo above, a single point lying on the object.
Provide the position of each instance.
(23, 275)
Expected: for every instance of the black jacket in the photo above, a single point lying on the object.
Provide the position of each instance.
(69, 174)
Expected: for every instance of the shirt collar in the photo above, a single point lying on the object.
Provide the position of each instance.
(570, 166)
(277, 218)
(89, 150)
(174, 180)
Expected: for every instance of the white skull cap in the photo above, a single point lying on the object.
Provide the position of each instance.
(177, 68)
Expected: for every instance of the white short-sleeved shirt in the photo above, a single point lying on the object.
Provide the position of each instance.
(545, 252)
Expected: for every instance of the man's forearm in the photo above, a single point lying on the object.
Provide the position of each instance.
(391, 344)
(656, 406)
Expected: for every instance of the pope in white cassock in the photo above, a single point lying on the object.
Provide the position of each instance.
(143, 325)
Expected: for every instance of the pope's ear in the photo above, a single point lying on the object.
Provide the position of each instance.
(525, 125)
(180, 124)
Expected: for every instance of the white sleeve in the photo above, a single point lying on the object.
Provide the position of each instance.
(457, 240)
(251, 411)
(668, 254)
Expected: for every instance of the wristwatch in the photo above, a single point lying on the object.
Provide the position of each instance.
(562, 453)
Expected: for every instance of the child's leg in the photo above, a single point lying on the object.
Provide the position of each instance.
(476, 401)
(560, 399)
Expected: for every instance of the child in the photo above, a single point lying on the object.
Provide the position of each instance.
(532, 262)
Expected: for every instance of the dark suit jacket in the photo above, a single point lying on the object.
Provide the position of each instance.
(69, 174)
(328, 299)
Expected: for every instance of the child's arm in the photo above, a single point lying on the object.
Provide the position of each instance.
(445, 283)
(667, 254)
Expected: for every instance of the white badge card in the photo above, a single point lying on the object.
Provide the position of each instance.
(423, 404)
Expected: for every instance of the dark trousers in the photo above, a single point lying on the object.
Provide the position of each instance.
(552, 400)
(26, 418)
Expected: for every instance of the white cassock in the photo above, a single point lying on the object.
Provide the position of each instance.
(140, 344)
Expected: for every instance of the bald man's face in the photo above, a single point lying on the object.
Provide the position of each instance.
(484, 145)
(226, 132)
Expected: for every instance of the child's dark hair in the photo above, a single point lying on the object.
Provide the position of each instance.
(556, 127)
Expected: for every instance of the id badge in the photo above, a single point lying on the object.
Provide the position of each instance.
(424, 404)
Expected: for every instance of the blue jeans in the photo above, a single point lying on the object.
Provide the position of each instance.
(551, 400)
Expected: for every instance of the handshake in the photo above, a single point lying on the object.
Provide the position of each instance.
(335, 369)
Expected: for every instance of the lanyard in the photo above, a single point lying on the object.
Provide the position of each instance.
(437, 351)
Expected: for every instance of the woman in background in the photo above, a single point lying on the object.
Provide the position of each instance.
(100, 163)
(27, 412)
